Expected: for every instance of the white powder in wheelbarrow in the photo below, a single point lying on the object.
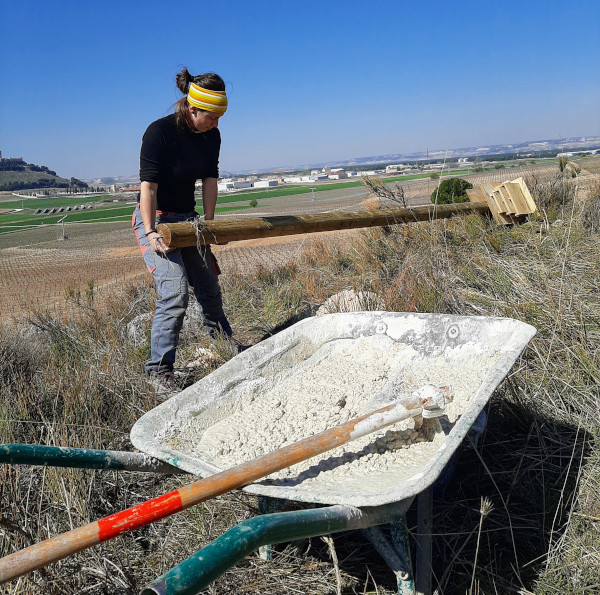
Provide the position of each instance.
(336, 384)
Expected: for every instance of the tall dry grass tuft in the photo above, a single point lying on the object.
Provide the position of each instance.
(590, 212)
(553, 197)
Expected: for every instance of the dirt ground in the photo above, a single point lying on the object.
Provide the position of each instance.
(38, 270)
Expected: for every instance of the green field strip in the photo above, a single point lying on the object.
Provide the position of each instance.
(54, 202)
(291, 190)
(116, 214)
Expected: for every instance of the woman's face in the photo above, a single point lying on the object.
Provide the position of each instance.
(204, 121)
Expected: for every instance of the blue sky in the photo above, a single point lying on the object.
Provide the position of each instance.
(308, 82)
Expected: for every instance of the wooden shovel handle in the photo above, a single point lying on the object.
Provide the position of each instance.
(71, 542)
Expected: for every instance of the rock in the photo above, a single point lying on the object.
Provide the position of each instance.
(351, 301)
(203, 358)
(138, 329)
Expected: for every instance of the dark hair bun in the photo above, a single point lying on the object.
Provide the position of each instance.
(208, 80)
(182, 80)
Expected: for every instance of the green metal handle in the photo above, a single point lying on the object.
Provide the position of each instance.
(87, 458)
(206, 565)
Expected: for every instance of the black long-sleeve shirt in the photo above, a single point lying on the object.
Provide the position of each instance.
(175, 157)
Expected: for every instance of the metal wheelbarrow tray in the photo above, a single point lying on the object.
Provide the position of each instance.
(344, 353)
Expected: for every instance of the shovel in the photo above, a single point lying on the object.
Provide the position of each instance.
(428, 401)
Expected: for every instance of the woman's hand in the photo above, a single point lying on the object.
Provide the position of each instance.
(157, 243)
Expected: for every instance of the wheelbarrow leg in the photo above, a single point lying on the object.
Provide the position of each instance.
(400, 541)
(395, 560)
(424, 525)
(268, 505)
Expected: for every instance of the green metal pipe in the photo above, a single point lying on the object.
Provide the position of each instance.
(206, 565)
(87, 458)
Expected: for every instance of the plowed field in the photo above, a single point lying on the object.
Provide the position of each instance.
(37, 269)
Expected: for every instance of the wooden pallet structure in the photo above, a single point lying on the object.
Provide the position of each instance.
(509, 202)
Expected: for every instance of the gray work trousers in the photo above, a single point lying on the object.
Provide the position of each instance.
(173, 273)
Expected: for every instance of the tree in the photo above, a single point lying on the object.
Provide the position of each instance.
(450, 191)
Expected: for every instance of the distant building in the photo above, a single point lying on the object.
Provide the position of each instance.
(242, 184)
(299, 179)
(394, 167)
(265, 183)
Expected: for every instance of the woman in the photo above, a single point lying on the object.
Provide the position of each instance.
(177, 151)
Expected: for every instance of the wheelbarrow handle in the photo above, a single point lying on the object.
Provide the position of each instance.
(71, 542)
(86, 458)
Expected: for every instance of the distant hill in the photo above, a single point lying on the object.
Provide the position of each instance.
(16, 174)
(109, 181)
(533, 149)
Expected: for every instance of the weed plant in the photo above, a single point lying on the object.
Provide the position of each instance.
(520, 511)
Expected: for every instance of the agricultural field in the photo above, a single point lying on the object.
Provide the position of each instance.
(38, 269)
(16, 215)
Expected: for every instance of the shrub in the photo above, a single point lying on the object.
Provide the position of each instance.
(450, 191)
(253, 202)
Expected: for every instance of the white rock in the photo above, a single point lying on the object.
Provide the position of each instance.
(351, 301)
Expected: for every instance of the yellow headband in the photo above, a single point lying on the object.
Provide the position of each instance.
(205, 99)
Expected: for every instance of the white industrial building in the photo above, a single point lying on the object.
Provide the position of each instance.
(265, 183)
(299, 179)
(396, 167)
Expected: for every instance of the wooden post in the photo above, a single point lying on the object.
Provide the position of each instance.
(180, 235)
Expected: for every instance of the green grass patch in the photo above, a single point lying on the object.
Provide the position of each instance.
(54, 202)
(99, 214)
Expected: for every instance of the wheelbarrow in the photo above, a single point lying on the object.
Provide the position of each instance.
(473, 354)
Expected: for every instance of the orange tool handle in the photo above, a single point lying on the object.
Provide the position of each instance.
(61, 546)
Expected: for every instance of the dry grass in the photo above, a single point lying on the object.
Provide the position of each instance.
(521, 511)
